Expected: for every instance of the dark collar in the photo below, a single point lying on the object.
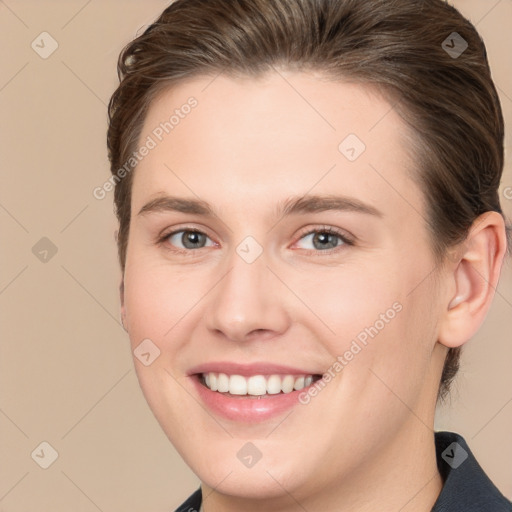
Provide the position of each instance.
(466, 487)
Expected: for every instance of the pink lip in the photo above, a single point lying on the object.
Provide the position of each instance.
(247, 370)
(247, 409)
(244, 409)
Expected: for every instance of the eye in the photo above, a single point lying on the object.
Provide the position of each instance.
(326, 239)
(188, 238)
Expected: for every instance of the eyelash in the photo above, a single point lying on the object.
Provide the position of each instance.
(346, 240)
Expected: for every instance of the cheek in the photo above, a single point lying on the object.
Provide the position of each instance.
(162, 305)
(358, 302)
(156, 306)
(155, 300)
(381, 323)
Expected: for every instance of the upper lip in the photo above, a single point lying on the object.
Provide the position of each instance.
(247, 370)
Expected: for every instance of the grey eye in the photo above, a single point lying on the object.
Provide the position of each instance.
(323, 240)
(188, 238)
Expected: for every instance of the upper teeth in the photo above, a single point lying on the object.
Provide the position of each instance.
(255, 385)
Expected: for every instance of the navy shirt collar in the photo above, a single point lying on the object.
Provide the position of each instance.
(466, 486)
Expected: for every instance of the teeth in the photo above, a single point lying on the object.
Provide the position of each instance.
(274, 385)
(287, 384)
(298, 384)
(213, 384)
(256, 385)
(237, 385)
(223, 383)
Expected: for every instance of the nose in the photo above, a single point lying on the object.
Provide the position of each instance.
(249, 302)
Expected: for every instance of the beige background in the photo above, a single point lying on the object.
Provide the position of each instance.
(67, 375)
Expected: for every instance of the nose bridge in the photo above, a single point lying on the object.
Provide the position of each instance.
(248, 297)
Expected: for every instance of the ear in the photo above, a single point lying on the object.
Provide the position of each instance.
(121, 297)
(474, 276)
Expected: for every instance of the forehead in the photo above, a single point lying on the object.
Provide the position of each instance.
(285, 133)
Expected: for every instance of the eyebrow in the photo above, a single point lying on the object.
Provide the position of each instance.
(294, 205)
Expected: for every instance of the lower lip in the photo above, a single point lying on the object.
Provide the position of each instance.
(247, 409)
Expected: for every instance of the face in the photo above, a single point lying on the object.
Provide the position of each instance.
(277, 237)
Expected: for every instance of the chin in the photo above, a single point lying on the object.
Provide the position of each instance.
(247, 484)
(264, 480)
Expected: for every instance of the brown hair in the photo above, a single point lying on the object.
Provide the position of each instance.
(449, 101)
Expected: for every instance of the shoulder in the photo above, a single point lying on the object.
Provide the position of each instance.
(192, 504)
(466, 486)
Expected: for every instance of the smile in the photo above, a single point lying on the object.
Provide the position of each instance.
(256, 385)
(250, 393)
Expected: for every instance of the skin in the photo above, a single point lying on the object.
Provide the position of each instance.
(366, 442)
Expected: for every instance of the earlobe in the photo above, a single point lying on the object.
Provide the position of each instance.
(475, 277)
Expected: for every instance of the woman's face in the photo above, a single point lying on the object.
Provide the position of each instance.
(254, 167)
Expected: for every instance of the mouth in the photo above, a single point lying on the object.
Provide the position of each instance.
(250, 393)
(255, 386)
